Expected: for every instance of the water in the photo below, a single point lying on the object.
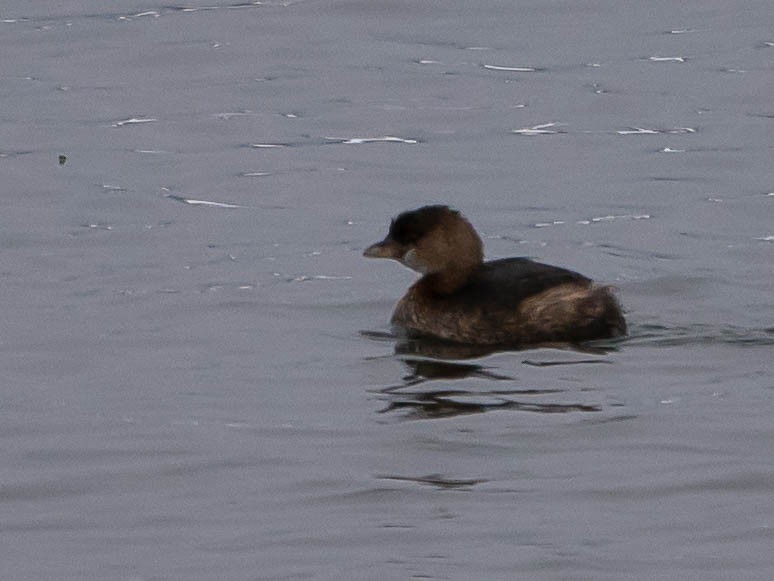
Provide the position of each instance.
(198, 380)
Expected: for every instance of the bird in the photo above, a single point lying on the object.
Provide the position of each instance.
(461, 298)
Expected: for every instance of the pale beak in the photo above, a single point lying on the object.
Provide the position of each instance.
(387, 248)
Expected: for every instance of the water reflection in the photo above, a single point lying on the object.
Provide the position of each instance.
(438, 349)
(422, 370)
(536, 363)
(450, 403)
(434, 364)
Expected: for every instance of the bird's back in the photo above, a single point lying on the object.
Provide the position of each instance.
(503, 284)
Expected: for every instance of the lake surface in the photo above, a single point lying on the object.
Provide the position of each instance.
(198, 376)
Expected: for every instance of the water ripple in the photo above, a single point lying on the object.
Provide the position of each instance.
(512, 69)
(435, 480)
(365, 140)
(663, 336)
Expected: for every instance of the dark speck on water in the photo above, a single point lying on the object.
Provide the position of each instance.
(199, 380)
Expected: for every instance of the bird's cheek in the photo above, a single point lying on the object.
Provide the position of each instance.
(413, 261)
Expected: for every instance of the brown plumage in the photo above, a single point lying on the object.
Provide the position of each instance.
(513, 301)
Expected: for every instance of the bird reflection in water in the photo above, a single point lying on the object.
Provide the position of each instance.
(431, 360)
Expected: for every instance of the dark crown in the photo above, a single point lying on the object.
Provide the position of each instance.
(410, 226)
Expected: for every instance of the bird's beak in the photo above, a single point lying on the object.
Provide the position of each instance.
(387, 248)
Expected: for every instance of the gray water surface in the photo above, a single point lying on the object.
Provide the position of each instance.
(198, 376)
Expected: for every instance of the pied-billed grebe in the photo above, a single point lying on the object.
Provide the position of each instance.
(513, 301)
